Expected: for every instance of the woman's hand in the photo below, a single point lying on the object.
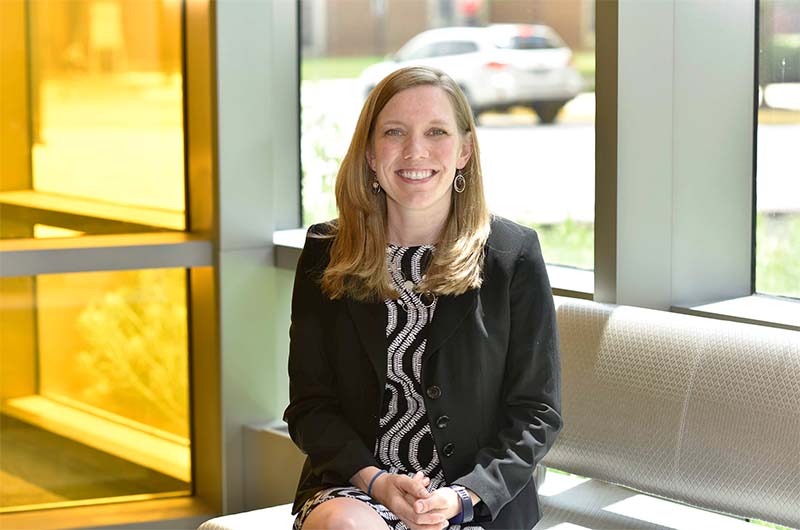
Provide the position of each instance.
(401, 493)
(443, 501)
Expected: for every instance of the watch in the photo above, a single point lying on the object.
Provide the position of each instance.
(466, 505)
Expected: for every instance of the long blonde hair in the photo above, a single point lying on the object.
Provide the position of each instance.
(357, 266)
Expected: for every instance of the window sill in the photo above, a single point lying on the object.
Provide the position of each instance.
(29, 257)
(53, 205)
(756, 309)
(571, 282)
(565, 281)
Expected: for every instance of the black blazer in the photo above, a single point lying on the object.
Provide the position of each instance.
(491, 364)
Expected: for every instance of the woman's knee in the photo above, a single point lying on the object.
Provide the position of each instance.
(344, 514)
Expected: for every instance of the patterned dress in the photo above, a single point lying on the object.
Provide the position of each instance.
(404, 443)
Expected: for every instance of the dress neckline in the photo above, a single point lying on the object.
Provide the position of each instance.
(393, 246)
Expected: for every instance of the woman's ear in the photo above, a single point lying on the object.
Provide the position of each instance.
(466, 151)
(370, 158)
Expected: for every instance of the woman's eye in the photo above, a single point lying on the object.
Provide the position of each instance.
(438, 132)
(393, 132)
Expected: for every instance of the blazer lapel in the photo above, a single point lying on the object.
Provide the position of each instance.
(450, 311)
(370, 322)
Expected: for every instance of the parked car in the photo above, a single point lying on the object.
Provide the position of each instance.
(498, 66)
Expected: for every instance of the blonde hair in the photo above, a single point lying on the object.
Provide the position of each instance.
(357, 266)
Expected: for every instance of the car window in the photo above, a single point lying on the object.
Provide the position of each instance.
(437, 49)
(456, 47)
(532, 42)
(418, 52)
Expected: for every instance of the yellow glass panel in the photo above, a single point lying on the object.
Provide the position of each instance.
(106, 117)
(94, 397)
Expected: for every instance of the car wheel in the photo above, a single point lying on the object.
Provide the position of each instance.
(548, 110)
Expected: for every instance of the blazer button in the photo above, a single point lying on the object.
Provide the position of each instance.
(442, 421)
(434, 392)
(448, 450)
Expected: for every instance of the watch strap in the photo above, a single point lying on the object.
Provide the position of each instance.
(466, 514)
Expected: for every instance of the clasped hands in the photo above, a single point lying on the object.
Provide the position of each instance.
(409, 499)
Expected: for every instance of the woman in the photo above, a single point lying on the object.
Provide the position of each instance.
(424, 375)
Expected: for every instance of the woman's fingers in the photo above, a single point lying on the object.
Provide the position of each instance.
(402, 505)
(412, 486)
(420, 477)
(404, 494)
(432, 503)
(426, 525)
(442, 501)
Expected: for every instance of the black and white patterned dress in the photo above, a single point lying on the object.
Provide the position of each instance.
(404, 443)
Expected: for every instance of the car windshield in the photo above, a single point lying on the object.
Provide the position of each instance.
(531, 42)
(441, 48)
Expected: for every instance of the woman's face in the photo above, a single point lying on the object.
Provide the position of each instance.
(416, 150)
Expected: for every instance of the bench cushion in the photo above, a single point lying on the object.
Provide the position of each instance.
(698, 410)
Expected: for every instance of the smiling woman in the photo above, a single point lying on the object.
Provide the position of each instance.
(416, 150)
(414, 128)
(372, 372)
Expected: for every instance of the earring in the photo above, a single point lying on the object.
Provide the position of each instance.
(459, 183)
(376, 186)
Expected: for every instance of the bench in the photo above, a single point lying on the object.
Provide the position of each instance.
(664, 414)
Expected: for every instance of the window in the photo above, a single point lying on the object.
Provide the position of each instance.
(456, 48)
(529, 43)
(95, 267)
(103, 82)
(424, 51)
(95, 397)
(777, 186)
(534, 102)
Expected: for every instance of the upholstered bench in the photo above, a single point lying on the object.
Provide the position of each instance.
(682, 408)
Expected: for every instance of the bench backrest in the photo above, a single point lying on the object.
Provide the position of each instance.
(697, 410)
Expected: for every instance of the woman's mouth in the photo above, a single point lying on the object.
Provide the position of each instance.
(416, 174)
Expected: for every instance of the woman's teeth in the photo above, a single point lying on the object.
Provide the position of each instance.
(416, 175)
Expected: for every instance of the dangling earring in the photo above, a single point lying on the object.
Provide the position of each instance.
(459, 183)
(376, 186)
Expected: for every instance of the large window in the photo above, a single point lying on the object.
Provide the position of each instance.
(95, 398)
(92, 117)
(777, 170)
(95, 270)
(527, 69)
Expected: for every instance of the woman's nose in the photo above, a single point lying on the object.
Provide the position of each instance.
(415, 147)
